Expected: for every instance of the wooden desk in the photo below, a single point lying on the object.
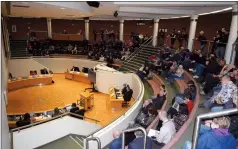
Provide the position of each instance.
(116, 104)
(86, 100)
(81, 77)
(30, 81)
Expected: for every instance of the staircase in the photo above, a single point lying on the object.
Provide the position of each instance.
(70, 141)
(135, 61)
(18, 48)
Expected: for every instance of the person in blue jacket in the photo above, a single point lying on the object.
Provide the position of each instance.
(214, 135)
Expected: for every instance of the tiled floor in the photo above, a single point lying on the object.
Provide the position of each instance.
(63, 92)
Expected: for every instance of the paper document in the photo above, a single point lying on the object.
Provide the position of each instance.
(153, 132)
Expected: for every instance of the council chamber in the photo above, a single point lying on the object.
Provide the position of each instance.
(116, 75)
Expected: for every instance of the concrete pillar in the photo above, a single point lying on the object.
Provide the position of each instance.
(49, 27)
(121, 30)
(5, 139)
(87, 29)
(230, 55)
(155, 32)
(192, 31)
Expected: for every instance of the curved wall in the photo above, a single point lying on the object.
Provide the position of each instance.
(105, 134)
(208, 23)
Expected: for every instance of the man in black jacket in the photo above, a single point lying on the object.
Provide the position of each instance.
(221, 44)
(74, 108)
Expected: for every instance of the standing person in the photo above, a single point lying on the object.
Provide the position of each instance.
(185, 36)
(221, 44)
(94, 34)
(202, 40)
(215, 39)
(102, 34)
(172, 38)
(180, 39)
(161, 37)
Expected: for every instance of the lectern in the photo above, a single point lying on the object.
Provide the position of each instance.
(86, 100)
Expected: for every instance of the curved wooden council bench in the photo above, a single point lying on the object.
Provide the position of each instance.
(155, 83)
(178, 135)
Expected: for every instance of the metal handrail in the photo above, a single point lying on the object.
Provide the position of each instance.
(140, 50)
(131, 56)
(132, 130)
(232, 51)
(208, 116)
(93, 139)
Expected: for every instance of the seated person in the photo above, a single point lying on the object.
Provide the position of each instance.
(128, 94)
(74, 108)
(167, 131)
(177, 75)
(145, 121)
(10, 76)
(75, 69)
(214, 135)
(157, 102)
(26, 120)
(117, 142)
(75, 50)
(213, 73)
(44, 71)
(223, 99)
(57, 112)
(181, 117)
(187, 101)
(123, 91)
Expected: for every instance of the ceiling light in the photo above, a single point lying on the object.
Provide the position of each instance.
(62, 8)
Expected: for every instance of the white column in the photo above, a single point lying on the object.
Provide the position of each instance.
(49, 27)
(229, 56)
(155, 32)
(192, 31)
(87, 29)
(121, 30)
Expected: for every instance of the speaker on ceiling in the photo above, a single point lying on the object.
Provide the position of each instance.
(93, 3)
(115, 14)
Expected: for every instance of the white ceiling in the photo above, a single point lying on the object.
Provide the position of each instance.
(126, 10)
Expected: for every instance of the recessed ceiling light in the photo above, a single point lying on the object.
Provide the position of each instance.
(62, 8)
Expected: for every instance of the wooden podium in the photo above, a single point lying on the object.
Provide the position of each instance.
(86, 100)
(116, 99)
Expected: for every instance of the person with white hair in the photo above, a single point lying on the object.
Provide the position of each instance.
(177, 75)
(202, 39)
(214, 135)
(167, 131)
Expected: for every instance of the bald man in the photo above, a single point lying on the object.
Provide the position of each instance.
(167, 131)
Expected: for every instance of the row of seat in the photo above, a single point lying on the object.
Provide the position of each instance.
(155, 83)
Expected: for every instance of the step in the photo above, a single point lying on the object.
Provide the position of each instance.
(133, 63)
(137, 60)
(131, 68)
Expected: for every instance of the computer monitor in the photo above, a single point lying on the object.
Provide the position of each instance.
(85, 70)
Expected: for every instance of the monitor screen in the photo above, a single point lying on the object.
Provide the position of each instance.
(85, 70)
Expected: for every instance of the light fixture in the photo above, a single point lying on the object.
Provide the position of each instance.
(62, 8)
(226, 9)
